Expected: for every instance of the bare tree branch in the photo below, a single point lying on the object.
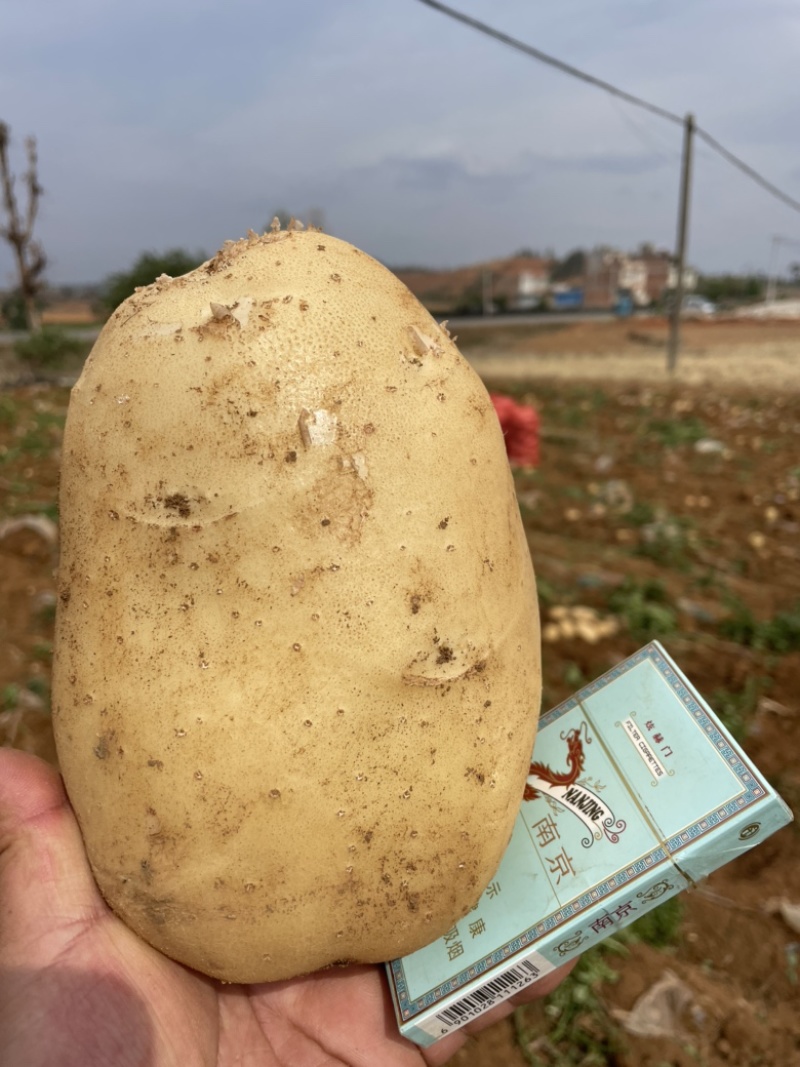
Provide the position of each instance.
(28, 253)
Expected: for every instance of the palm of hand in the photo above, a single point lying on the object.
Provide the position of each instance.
(78, 989)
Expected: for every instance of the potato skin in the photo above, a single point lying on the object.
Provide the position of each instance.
(296, 680)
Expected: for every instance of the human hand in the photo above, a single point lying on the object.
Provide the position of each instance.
(78, 989)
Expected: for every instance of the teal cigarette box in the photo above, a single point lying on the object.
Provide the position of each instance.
(635, 792)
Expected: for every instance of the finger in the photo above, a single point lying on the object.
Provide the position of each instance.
(46, 886)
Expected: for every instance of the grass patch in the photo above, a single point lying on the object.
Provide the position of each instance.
(9, 696)
(42, 651)
(48, 348)
(736, 710)
(581, 1031)
(779, 634)
(668, 541)
(673, 433)
(645, 609)
(9, 412)
(659, 927)
(639, 514)
(41, 688)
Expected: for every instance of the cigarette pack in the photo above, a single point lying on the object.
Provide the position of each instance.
(635, 792)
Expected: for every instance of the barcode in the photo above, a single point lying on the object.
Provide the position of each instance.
(479, 1001)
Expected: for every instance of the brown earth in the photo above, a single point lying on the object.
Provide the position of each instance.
(672, 508)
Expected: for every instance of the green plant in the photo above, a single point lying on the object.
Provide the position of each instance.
(640, 513)
(659, 927)
(779, 634)
(645, 608)
(41, 688)
(47, 612)
(546, 592)
(9, 695)
(675, 432)
(668, 541)
(574, 676)
(737, 709)
(148, 267)
(9, 412)
(13, 311)
(42, 651)
(782, 632)
(47, 348)
(581, 1033)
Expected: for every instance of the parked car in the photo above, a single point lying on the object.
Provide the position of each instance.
(697, 307)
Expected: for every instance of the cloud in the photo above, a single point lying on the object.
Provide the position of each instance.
(422, 140)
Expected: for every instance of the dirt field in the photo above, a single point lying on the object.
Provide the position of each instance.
(753, 354)
(671, 507)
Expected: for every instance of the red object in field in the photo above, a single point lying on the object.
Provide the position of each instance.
(520, 426)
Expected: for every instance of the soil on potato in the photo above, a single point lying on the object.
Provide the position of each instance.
(671, 509)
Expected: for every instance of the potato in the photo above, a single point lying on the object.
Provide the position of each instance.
(297, 668)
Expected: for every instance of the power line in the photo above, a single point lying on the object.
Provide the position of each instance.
(731, 158)
(566, 68)
(660, 150)
(551, 61)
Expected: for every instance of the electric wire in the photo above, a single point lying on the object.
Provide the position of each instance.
(551, 61)
(566, 68)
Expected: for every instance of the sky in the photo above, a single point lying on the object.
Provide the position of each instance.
(184, 123)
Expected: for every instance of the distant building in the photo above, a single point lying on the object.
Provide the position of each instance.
(644, 276)
(598, 279)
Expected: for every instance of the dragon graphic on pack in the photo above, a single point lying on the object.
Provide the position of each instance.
(576, 759)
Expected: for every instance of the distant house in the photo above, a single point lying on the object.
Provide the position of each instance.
(597, 279)
(644, 276)
(519, 283)
(515, 284)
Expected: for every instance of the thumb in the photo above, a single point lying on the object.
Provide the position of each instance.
(46, 887)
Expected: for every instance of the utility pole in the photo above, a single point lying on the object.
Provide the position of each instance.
(486, 289)
(683, 225)
(772, 278)
(769, 294)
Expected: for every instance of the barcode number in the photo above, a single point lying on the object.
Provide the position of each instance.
(492, 993)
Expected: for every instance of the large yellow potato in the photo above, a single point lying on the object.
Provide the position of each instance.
(297, 655)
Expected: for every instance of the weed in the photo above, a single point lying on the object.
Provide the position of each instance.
(8, 411)
(572, 417)
(546, 593)
(9, 696)
(668, 541)
(645, 608)
(788, 785)
(779, 634)
(47, 348)
(640, 514)
(574, 676)
(737, 709)
(581, 1031)
(672, 433)
(659, 927)
(41, 687)
(42, 651)
(47, 612)
(782, 632)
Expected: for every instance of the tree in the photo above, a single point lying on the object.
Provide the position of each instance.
(570, 266)
(148, 267)
(17, 228)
